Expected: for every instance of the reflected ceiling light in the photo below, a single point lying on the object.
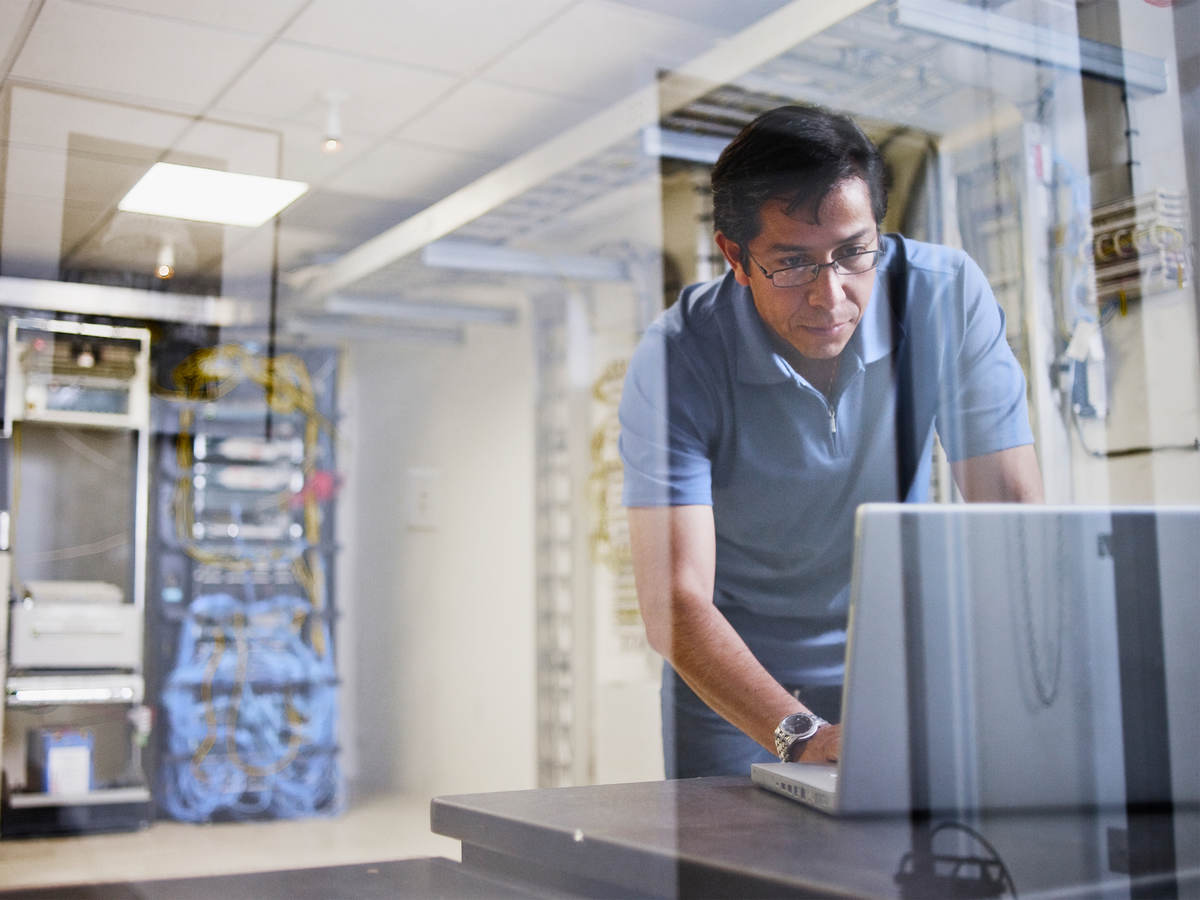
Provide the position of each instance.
(334, 327)
(210, 195)
(702, 148)
(332, 142)
(164, 267)
(431, 312)
(1044, 46)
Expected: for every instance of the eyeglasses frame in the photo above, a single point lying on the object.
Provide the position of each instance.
(817, 267)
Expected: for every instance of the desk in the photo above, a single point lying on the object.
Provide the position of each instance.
(725, 837)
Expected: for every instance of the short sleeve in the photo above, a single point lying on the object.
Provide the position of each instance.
(667, 419)
(982, 407)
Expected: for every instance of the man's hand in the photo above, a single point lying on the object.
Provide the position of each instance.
(823, 747)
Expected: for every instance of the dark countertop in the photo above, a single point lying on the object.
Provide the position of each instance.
(726, 837)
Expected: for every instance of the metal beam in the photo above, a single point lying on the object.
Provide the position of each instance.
(764, 40)
(126, 303)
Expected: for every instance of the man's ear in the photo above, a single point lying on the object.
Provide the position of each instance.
(733, 253)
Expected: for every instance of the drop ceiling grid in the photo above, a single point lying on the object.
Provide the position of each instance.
(287, 82)
(261, 17)
(129, 57)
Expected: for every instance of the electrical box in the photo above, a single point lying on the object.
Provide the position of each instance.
(76, 373)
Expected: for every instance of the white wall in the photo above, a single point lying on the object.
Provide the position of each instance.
(626, 739)
(437, 638)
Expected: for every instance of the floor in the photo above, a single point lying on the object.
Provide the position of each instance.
(373, 829)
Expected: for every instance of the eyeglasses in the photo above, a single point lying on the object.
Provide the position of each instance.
(794, 276)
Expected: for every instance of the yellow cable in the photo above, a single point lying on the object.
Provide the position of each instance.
(210, 712)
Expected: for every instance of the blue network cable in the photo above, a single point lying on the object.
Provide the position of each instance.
(251, 710)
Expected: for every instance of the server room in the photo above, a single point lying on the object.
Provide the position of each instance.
(327, 335)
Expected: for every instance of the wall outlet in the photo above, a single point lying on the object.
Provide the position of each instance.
(423, 498)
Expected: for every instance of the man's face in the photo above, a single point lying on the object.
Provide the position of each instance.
(817, 318)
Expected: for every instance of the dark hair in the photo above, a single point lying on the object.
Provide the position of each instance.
(797, 154)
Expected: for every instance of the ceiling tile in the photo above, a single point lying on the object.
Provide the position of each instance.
(260, 17)
(402, 169)
(602, 51)
(350, 217)
(159, 62)
(289, 82)
(303, 247)
(304, 160)
(503, 120)
(448, 35)
(12, 13)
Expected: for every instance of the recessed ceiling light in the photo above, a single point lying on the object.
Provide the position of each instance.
(333, 122)
(210, 195)
(164, 268)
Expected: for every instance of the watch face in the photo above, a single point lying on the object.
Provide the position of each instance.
(798, 723)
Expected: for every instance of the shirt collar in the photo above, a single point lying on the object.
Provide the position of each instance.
(873, 339)
(757, 360)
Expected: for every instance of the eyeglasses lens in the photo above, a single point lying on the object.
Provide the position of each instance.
(855, 264)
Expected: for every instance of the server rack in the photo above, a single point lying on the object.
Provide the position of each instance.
(241, 612)
(75, 507)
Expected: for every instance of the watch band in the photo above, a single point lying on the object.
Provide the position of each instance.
(797, 728)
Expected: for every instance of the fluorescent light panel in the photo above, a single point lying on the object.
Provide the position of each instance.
(431, 312)
(210, 195)
(455, 253)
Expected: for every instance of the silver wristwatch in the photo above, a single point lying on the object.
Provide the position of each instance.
(794, 732)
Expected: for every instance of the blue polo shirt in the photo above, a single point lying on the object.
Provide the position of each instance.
(711, 414)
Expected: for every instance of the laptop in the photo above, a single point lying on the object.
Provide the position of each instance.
(1012, 657)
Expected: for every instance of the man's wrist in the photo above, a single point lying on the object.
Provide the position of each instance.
(794, 732)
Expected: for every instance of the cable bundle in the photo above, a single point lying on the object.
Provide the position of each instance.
(251, 712)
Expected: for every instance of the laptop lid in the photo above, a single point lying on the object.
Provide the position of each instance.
(1047, 653)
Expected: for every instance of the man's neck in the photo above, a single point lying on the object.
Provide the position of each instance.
(820, 373)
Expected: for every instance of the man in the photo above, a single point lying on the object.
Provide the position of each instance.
(761, 409)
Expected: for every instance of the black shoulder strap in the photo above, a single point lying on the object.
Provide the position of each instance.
(907, 447)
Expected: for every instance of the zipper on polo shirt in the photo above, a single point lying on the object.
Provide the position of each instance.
(832, 419)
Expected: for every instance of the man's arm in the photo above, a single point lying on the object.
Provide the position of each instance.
(1007, 476)
(674, 563)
